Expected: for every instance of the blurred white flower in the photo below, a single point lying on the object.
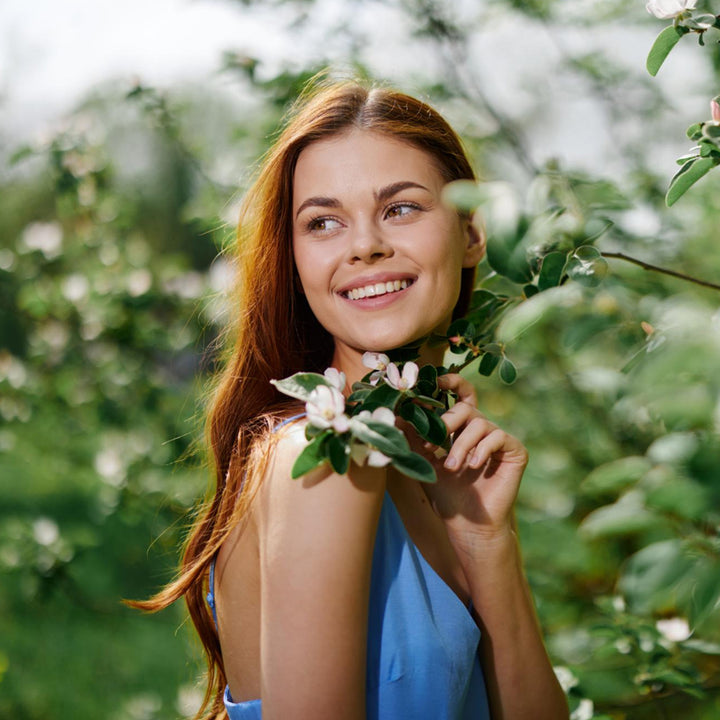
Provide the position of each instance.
(405, 381)
(666, 9)
(565, 677)
(75, 287)
(584, 711)
(45, 237)
(674, 629)
(45, 531)
(139, 282)
(326, 408)
(335, 378)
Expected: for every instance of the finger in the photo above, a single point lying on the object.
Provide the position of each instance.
(460, 386)
(460, 414)
(494, 442)
(465, 443)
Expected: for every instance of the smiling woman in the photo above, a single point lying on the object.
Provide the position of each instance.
(358, 594)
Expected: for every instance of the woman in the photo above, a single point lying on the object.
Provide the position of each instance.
(363, 595)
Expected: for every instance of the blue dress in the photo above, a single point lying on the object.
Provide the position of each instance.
(422, 653)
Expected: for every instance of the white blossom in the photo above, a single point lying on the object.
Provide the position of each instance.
(584, 711)
(667, 9)
(674, 629)
(405, 381)
(335, 378)
(377, 362)
(361, 453)
(326, 408)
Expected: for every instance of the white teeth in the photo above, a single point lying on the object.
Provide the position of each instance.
(377, 289)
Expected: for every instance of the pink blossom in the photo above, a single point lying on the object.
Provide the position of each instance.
(715, 108)
(407, 380)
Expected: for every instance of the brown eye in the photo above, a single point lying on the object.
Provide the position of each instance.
(400, 210)
(323, 225)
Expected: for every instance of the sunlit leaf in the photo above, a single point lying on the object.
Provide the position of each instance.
(686, 177)
(300, 385)
(661, 48)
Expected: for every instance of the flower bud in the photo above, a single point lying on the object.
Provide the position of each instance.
(715, 108)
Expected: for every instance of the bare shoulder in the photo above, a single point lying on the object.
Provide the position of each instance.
(316, 538)
(321, 491)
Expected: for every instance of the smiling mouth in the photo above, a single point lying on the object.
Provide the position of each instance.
(376, 289)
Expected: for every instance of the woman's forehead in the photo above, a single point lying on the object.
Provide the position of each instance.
(362, 156)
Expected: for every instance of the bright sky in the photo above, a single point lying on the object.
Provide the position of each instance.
(52, 51)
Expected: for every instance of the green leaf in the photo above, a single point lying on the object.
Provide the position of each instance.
(416, 417)
(463, 195)
(488, 363)
(22, 153)
(360, 394)
(651, 574)
(427, 380)
(415, 466)
(694, 132)
(616, 475)
(312, 456)
(508, 372)
(661, 48)
(586, 266)
(300, 385)
(437, 433)
(551, 270)
(382, 396)
(627, 516)
(431, 402)
(686, 177)
(530, 290)
(507, 254)
(704, 584)
(388, 440)
(338, 451)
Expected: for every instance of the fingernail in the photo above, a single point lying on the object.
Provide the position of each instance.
(451, 462)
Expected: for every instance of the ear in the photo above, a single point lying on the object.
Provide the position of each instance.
(474, 229)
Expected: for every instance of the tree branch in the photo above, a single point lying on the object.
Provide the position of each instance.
(665, 271)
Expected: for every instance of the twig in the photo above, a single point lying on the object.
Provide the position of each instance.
(665, 271)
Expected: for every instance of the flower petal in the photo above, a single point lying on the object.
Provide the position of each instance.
(335, 378)
(375, 361)
(410, 374)
(383, 415)
(393, 375)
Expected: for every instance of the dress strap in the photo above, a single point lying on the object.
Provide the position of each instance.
(210, 597)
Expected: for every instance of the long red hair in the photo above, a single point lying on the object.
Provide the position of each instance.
(275, 332)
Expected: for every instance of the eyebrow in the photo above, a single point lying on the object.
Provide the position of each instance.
(381, 195)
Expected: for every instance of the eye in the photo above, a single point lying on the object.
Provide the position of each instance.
(323, 224)
(401, 209)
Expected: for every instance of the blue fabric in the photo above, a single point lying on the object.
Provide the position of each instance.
(422, 654)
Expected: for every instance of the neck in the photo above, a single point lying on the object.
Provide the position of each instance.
(349, 361)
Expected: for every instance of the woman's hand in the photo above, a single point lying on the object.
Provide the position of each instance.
(479, 478)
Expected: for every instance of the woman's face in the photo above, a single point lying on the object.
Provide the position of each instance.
(378, 255)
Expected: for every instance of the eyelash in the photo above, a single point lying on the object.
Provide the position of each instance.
(312, 223)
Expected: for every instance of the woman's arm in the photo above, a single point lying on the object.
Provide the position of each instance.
(475, 494)
(316, 539)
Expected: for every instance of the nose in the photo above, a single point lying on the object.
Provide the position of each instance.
(368, 244)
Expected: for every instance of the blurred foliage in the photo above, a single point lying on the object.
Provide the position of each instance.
(113, 298)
